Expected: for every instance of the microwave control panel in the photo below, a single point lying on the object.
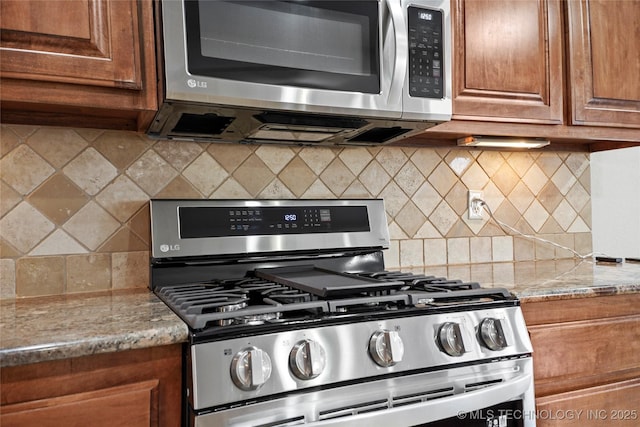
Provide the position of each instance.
(426, 73)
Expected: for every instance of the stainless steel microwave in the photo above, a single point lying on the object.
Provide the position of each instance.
(360, 72)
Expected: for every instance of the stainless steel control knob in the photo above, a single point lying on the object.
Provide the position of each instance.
(492, 334)
(386, 348)
(450, 339)
(250, 368)
(307, 359)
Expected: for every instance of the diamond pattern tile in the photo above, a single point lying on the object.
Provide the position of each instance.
(84, 193)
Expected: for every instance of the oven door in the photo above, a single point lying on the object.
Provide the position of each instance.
(496, 394)
(339, 57)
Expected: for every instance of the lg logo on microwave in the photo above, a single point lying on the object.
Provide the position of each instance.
(169, 248)
(193, 83)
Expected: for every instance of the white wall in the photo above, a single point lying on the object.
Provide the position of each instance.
(615, 199)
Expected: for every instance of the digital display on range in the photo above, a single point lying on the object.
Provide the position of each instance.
(199, 222)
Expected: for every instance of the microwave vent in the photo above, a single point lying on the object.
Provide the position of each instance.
(379, 134)
(201, 124)
(316, 121)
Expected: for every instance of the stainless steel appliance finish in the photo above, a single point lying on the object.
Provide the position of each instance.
(269, 347)
(352, 72)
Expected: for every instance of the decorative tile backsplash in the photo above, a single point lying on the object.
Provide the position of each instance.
(74, 202)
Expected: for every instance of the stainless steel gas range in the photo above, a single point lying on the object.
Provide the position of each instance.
(294, 320)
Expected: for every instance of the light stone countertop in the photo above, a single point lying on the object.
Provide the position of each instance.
(59, 327)
(39, 329)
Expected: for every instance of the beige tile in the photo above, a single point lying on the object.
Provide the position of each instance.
(86, 273)
(457, 198)
(122, 198)
(410, 219)
(337, 177)
(7, 279)
(374, 178)
(442, 179)
(9, 198)
(475, 178)
(578, 197)
(586, 215)
(411, 253)
(435, 252)
(130, 270)
(565, 240)
(230, 189)
(563, 179)
(480, 249)
(318, 190)
(583, 243)
(459, 229)
(317, 158)
(458, 251)
(58, 243)
(151, 172)
(24, 170)
(521, 197)
(520, 162)
(38, 276)
(89, 134)
(585, 179)
(536, 215)
(564, 214)
(392, 159)
(8, 251)
(230, 156)
(205, 174)
(550, 197)
(91, 226)
(139, 224)
(276, 190)
(523, 249)
(505, 179)
(356, 191)
(394, 199)
(275, 157)
(549, 163)
(178, 154)
(24, 227)
(443, 218)
(57, 145)
(491, 162)
(459, 161)
(427, 231)
(545, 251)
(58, 198)
(121, 148)
(124, 240)
(356, 159)
(577, 163)
(8, 140)
(426, 160)
(551, 227)
(579, 226)
(392, 255)
(535, 179)
(409, 178)
(179, 188)
(297, 176)
(396, 233)
(502, 248)
(23, 131)
(426, 198)
(253, 175)
(90, 171)
(493, 196)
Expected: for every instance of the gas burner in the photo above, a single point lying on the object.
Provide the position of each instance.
(257, 319)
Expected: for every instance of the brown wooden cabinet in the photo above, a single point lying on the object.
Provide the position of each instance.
(508, 61)
(586, 360)
(82, 63)
(604, 62)
(132, 388)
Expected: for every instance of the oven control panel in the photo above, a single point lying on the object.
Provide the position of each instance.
(426, 65)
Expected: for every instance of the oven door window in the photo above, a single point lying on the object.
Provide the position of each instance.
(508, 414)
(330, 45)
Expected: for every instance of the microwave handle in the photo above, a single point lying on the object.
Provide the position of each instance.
(401, 50)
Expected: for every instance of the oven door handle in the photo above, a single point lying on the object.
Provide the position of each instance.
(438, 409)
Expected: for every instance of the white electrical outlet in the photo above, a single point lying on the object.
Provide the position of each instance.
(474, 205)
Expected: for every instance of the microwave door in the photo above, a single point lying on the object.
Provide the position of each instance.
(395, 52)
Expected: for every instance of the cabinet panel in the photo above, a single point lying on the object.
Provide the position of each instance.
(614, 404)
(604, 62)
(133, 405)
(508, 61)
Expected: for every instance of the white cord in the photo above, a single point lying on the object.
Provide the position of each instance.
(506, 228)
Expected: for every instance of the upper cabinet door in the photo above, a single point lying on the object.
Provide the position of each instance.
(91, 55)
(508, 61)
(604, 62)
